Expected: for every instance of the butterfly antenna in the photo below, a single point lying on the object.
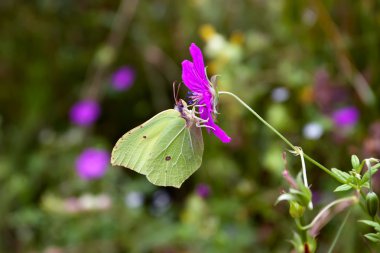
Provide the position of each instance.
(179, 86)
(176, 92)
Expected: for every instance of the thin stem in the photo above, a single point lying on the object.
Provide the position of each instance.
(260, 118)
(339, 232)
(304, 233)
(280, 135)
(300, 153)
(368, 163)
(310, 205)
(325, 209)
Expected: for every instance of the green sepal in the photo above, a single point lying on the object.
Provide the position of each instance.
(285, 196)
(296, 210)
(301, 195)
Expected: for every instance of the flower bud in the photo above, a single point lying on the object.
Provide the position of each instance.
(372, 202)
(296, 210)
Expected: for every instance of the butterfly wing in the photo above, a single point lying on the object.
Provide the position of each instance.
(163, 148)
(133, 149)
(178, 155)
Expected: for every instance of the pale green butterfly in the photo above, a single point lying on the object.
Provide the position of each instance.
(167, 149)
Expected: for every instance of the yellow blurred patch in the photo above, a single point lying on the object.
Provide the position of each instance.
(306, 95)
(206, 32)
(237, 38)
(212, 68)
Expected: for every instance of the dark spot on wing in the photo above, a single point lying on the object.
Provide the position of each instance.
(144, 137)
(168, 158)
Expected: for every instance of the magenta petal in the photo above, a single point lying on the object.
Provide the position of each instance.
(207, 102)
(191, 78)
(218, 132)
(85, 112)
(346, 116)
(199, 65)
(195, 78)
(123, 78)
(92, 163)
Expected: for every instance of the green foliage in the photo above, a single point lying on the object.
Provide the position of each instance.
(53, 53)
(353, 179)
(355, 162)
(301, 246)
(373, 237)
(298, 197)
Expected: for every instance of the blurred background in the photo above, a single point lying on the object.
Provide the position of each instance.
(76, 75)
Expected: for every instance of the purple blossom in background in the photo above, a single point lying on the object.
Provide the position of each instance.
(328, 92)
(346, 116)
(202, 91)
(316, 197)
(92, 163)
(123, 78)
(85, 112)
(203, 190)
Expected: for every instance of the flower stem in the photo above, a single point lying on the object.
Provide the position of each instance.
(325, 210)
(280, 135)
(339, 232)
(368, 163)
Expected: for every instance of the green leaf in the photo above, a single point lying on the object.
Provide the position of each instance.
(373, 237)
(343, 187)
(344, 176)
(297, 242)
(167, 149)
(355, 162)
(373, 170)
(365, 185)
(370, 223)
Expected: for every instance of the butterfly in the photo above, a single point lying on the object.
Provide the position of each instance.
(167, 148)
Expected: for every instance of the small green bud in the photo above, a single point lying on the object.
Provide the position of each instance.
(355, 162)
(372, 202)
(296, 210)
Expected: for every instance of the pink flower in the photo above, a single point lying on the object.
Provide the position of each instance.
(123, 78)
(85, 112)
(92, 163)
(203, 190)
(203, 92)
(346, 116)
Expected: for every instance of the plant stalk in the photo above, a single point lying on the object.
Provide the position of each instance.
(280, 135)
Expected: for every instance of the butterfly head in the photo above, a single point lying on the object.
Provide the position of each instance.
(189, 115)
